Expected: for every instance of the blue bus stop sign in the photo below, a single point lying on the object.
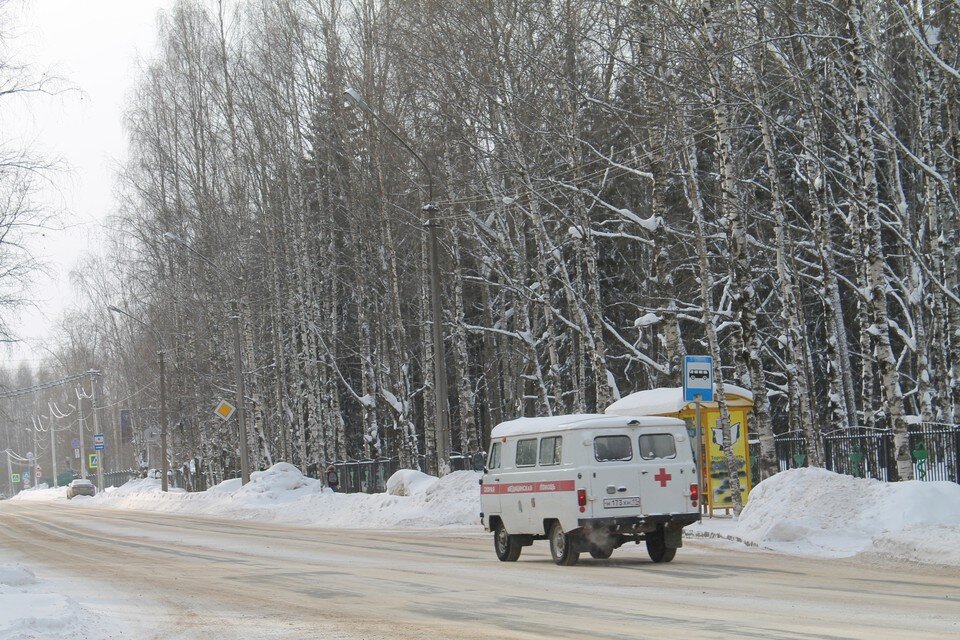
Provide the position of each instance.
(698, 378)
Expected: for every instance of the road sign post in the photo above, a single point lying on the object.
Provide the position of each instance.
(698, 388)
(99, 446)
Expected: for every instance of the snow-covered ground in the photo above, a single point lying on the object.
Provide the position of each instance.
(33, 609)
(810, 512)
(815, 512)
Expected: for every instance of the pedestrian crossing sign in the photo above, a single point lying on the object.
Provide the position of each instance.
(93, 460)
(14, 478)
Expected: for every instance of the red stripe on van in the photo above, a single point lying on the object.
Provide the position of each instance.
(529, 487)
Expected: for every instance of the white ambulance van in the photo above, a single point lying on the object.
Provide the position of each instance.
(589, 483)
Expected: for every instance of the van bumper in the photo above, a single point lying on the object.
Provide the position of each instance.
(640, 523)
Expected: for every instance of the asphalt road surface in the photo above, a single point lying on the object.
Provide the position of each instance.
(195, 577)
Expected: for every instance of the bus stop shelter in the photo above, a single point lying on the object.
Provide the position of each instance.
(668, 401)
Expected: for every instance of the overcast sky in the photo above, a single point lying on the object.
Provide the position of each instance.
(95, 45)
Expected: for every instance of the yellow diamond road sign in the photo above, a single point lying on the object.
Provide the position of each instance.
(225, 410)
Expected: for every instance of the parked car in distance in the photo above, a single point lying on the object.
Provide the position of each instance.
(80, 487)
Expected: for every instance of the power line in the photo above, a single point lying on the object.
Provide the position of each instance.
(47, 385)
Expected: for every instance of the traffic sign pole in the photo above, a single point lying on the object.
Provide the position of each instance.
(701, 453)
(698, 388)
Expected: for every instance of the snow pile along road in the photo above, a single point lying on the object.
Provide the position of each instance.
(817, 512)
(283, 494)
(807, 511)
(28, 611)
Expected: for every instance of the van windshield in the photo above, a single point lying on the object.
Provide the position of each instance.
(612, 448)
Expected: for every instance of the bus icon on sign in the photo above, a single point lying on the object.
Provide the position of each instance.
(700, 374)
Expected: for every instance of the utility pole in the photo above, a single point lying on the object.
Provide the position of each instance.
(9, 472)
(163, 421)
(237, 361)
(238, 370)
(439, 369)
(53, 447)
(101, 468)
(36, 452)
(83, 449)
(52, 427)
(439, 361)
(164, 463)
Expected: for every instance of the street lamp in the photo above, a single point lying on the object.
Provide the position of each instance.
(165, 466)
(237, 364)
(439, 363)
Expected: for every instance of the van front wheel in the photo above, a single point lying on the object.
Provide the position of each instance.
(506, 546)
(563, 546)
(657, 548)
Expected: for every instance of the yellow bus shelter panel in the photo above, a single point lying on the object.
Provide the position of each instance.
(719, 494)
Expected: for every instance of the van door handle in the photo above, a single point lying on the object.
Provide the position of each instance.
(622, 489)
(643, 473)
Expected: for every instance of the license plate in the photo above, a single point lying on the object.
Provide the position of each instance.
(618, 503)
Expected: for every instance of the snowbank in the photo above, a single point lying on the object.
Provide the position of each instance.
(802, 511)
(819, 513)
(42, 494)
(27, 611)
(408, 482)
(283, 494)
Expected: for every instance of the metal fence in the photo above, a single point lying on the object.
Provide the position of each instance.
(119, 478)
(869, 453)
(370, 476)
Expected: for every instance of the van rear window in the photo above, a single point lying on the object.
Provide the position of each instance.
(527, 453)
(657, 445)
(612, 448)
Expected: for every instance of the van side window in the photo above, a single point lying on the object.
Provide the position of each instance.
(527, 452)
(550, 450)
(612, 448)
(657, 445)
(493, 462)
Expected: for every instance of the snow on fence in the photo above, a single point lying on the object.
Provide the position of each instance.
(370, 476)
(869, 453)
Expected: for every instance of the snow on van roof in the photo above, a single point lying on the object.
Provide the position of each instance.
(663, 400)
(523, 426)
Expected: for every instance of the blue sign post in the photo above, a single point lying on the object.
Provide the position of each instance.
(698, 388)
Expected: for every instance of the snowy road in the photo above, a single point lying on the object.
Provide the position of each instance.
(164, 576)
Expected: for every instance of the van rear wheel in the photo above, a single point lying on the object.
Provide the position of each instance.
(507, 546)
(657, 548)
(563, 546)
